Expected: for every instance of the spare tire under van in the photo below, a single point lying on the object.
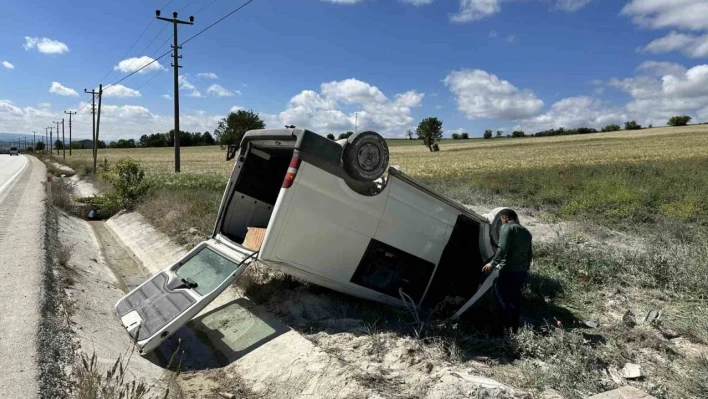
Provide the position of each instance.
(365, 156)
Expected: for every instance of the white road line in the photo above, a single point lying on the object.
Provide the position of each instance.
(12, 179)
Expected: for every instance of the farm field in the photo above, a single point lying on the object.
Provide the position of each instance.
(622, 220)
(468, 156)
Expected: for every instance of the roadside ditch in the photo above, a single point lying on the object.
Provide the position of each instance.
(235, 347)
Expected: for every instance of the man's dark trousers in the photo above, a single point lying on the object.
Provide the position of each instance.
(508, 293)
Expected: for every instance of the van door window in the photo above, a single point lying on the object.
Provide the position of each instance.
(386, 269)
(207, 269)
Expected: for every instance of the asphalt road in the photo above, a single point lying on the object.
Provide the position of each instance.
(21, 236)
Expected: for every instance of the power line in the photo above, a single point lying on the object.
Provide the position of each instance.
(205, 7)
(219, 20)
(184, 42)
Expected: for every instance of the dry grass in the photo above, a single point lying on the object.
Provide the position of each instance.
(458, 157)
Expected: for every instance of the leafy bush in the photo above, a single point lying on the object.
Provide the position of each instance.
(487, 134)
(611, 128)
(344, 135)
(456, 136)
(330, 136)
(518, 133)
(465, 136)
(127, 178)
(632, 125)
(679, 120)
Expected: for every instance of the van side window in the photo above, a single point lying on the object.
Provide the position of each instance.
(386, 269)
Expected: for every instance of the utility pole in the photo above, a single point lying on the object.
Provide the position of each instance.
(70, 113)
(93, 113)
(98, 127)
(51, 138)
(63, 140)
(356, 122)
(57, 122)
(175, 64)
(34, 140)
(46, 138)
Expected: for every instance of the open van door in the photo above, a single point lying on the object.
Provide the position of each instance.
(160, 306)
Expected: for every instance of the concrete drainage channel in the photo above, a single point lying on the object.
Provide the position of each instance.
(233, 346)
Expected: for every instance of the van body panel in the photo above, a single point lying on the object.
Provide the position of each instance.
(377, 240)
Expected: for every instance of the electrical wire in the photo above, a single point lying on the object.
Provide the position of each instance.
(217, 21)
(205, 7)
(136, 42)
(184, 42)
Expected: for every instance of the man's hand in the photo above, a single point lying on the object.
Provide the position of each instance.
(487, 268)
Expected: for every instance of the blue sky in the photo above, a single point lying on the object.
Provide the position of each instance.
(383, 64)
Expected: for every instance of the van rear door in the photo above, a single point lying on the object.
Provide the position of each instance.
(160, 306)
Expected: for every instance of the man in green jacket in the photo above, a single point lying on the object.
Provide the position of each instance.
(513, 257)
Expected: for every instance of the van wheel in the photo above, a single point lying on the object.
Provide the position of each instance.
(495, 221)
(365, 157)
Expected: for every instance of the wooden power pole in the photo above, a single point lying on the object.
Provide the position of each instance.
(93, 114)
(98, 127)
(175, 64)
(70, 113)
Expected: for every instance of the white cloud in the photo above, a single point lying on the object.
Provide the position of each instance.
(185, 84)
(45, 45)
(166, 96)
(690, 45)
(120, 91)
(660, 68)
(44, 105)
(658, 14)
(662, 90)
(571, 5)
(473, 10)
(483, 95)
(14, 119)
(418, 2)
(57, 88)
(207, 75)
(219, 91)
(574, 112)
(353, 91)
(8, 65)
(236, 108)
(340, 105)
(512, 39)
(133, 64)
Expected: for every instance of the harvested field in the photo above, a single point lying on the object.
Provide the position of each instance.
(619, 219)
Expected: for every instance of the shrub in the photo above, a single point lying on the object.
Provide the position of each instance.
(518, 133)
(330, 136)
(611, 128)
(679, 120)
(344, 135)
(487, 134)
(632, 125)
(465, 136)
(456, 136)
(127, 178)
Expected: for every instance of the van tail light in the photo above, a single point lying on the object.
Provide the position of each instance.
(292, 173)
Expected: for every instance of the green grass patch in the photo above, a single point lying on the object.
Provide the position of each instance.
(612, 194)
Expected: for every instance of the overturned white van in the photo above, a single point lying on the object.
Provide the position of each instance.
(325, 212)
